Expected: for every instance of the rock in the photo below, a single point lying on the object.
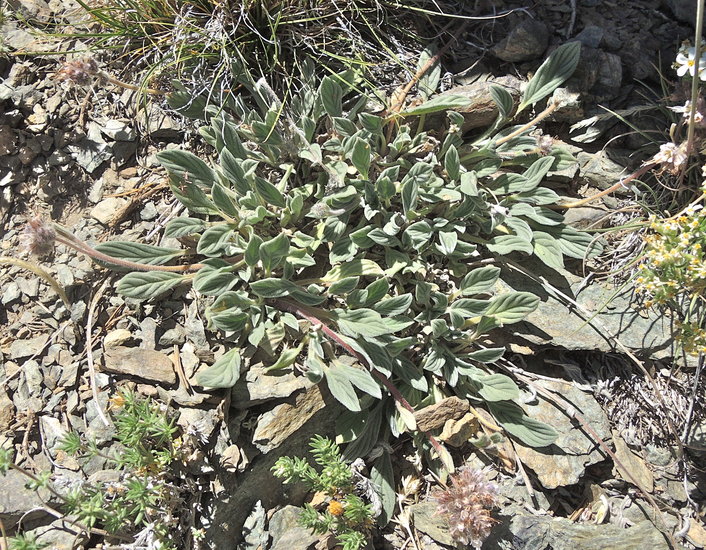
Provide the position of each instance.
(155, 123)
(254, 533)
(12, 292)
(555, 324)
(7, 410)
(435, 416)
(16, 500)
(106, 209)
(697, 534)
(683, 10)
(258, 386)
(457, 432)
(91, 151)
(591, 36)
(149, 212)
(287, 533)
(564, 462)
(28, 348)
(241, 490)
(526, 41)
(481, 110)
(118, 130)
(146, 364)
(173, 336)
(8, 141)
(148, 333)
(518, 529)
(428, 521)
(116, 337)
(570, 106)
(633, 464)
(59, 535)
(275, 426)
(585, 216)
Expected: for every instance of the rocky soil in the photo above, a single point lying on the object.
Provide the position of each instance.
(85, 158)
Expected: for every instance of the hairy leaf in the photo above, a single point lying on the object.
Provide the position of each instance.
(224, 373)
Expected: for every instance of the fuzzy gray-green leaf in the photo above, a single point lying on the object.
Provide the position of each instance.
(557, 68)
(139, 252)
(224, 373)
(149, 284)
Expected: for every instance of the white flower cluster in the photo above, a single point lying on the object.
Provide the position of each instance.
(686, 62)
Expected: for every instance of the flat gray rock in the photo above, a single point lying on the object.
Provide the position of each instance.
(143, 363)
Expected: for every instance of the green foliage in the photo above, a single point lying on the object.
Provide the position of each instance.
(312, 218)
(347, 515)
(142, 497)
(26, 542)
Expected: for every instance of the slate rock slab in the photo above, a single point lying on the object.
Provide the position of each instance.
(16, 500)
(147, 364)
(287, 533)
(518, 529)
(557, 323)
(564, 462)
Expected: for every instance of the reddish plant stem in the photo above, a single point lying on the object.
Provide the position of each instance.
(334, 336)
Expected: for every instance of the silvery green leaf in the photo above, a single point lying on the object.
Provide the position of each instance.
(555, 70)
(331, 96)
(362, 322)
(274, 251)
(224, 373)
(520, 227)
(286, 358)
(225, 200)
(139, 252)
(186, 166)
(312, 153)
(383, 478)
(393, 306)
(354, 268)
(497, 387)
(232, 320)
(371, 123)
(444, 102)
(215, 240)
(547, 249)
(469, 184)
(272, 287)
(344, 126)
(182, 227)
(447, 242)
(574, 243)
(535, 173)
(488, 355)
(376, 291)
(215, 278)
(233, 171)
(563, 159)
(544, 216)
(418, 234)
(452, 163)
(481, 279)
(503, 99)
(511, 183)
(468, 307)
(504, 244)
(529, 431)
(185, 103)
(539, 196)
(252, 251)
(342, 388)
(149, 284)
(512, 307)
(344, 286)
(429, 81)
(191, 196)
(360, 157)
(269, 193)
(360, 377)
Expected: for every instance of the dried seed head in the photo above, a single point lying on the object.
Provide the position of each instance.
(467, 504)
(38, 237)
(79, 71)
